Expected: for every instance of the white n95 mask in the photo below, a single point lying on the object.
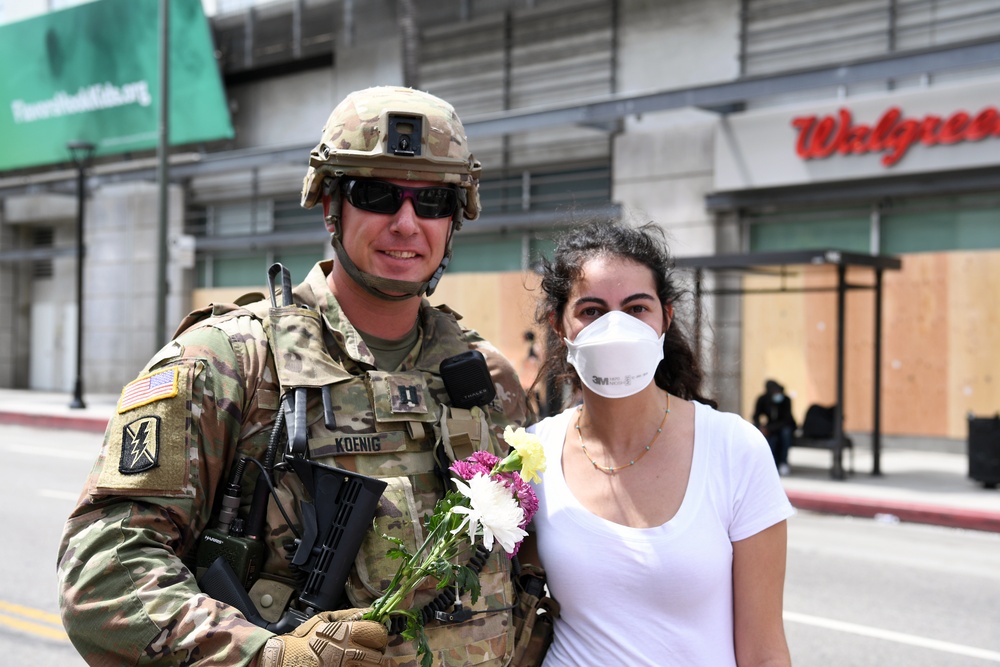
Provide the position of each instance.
(616, 355)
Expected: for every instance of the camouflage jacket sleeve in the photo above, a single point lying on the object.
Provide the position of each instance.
(126, 595)
(510, 408)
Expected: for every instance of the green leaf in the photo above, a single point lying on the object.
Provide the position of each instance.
(441, 569)
(395, 540)
(468, 580)
(415, 632)
(396, 554)
(412, 629)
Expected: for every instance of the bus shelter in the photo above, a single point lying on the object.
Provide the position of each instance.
(779, 263)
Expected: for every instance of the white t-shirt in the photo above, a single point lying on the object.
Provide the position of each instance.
(658, 596)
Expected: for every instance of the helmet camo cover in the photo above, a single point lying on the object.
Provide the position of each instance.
(355, 142)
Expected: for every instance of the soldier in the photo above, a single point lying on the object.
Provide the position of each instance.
(352, 362)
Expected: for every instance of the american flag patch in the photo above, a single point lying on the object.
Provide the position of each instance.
(148, 388)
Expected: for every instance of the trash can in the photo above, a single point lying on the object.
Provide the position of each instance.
(984, 450)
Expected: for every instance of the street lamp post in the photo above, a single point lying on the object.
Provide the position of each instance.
(81, 152)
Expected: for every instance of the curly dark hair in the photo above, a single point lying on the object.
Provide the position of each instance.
(680, 370)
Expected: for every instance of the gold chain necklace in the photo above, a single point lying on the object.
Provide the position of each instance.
(611, 470)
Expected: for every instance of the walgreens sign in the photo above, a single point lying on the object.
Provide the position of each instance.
(892, 135)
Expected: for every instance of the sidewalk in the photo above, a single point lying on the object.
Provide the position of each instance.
(915, 485)
(44, 409)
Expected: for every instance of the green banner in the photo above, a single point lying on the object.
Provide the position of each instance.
(91, 73)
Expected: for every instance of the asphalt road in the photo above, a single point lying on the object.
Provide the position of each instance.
(859, 593)
(43, 473)
(863, 593)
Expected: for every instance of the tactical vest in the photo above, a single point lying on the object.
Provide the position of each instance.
(386, 425)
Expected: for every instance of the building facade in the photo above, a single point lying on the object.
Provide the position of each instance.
(736, 125)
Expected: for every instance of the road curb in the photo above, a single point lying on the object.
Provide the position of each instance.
(68, 422)
(954, 517)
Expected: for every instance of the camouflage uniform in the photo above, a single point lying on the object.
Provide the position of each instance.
(128, 592)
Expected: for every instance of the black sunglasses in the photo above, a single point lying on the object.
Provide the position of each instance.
(376, 196)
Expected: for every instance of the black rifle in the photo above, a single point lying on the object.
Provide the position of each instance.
(333, 526)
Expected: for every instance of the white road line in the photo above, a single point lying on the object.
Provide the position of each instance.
(32, 450)
(889, 635)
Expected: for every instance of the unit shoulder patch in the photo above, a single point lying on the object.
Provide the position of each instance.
(146, 449)
(140, 445)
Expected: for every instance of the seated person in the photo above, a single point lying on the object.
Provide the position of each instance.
(779, 427)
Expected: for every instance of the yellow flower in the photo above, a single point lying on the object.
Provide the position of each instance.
(528, 448)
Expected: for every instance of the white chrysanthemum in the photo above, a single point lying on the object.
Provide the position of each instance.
(494, 509)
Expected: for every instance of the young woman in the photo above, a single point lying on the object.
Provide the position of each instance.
(661, 523)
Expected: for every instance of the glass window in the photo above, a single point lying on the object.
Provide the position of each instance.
(947, 223)
(545, 189)
(242, 217)
(246, 271)
(808, 230)
(289, 216)
(496, 252)
(250, 270)
(485, 252)
(299, 262)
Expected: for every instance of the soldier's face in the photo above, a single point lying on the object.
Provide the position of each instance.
(400, 245)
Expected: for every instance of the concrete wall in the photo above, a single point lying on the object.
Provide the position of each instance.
(38, 334)
(120, 283)
(291, 109)
(301, 101)
(664, 162)
(676, 44)
(11, 305)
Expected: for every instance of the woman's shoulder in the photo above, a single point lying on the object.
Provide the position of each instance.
(556, 422)
(719, 424)
(715, 415)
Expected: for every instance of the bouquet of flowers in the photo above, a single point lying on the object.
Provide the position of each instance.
(492, 503)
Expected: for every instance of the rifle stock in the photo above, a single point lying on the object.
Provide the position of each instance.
(333, 527)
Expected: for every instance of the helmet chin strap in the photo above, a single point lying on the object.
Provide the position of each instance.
(378, 286)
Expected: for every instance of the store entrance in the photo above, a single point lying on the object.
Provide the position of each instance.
(52, 310)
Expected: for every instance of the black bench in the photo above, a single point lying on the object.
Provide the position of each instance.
(837, 466)
(817, 432)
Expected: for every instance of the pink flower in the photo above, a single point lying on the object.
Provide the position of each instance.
(526, 498)
(479, 462)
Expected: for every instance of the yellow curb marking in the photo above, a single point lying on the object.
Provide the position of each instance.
(30, 626)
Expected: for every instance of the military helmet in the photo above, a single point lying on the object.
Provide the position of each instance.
(399, 133)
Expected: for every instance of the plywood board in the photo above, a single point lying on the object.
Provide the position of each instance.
(972, 383)
(940, 344)
(500, 306)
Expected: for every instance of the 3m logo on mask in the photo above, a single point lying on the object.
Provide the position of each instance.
(617, 380)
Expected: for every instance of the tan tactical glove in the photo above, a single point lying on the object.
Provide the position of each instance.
(328, 639)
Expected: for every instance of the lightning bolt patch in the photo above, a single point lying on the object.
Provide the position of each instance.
(140, 446)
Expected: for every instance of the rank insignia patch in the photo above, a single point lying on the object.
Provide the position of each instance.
(405, 396)
(140, 446)
(148, 388)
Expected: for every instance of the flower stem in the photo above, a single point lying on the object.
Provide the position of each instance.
(414, 571)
